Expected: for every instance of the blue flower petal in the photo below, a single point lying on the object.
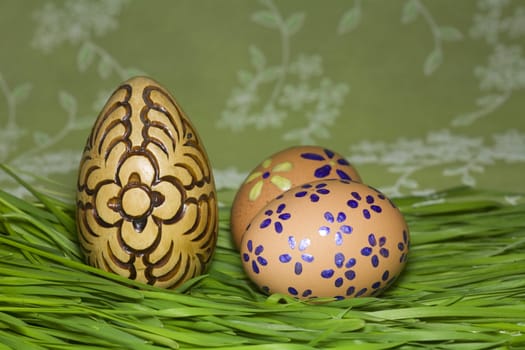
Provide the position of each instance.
(328, 273)
(312, 156)
(323, 171)
(285, 258)
(342, 175)
(339, 259)
(329, 217)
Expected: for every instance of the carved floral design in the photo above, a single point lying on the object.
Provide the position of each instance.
(146, 199)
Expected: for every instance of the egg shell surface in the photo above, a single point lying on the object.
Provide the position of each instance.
(146, 199)
(280, 172)
(329, 238)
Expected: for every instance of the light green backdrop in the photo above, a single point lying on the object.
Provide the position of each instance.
(420, 95)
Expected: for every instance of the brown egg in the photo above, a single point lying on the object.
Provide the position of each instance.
(328, 238)
(146, 199)
(280, 172)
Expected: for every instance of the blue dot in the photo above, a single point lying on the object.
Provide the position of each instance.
(255, 268)
(376, 208)
(338, 282)
(338, 238)
(307, 292)
(350, 275)
(298, 268)
(361, 292)
(366, 251)
(312, 156)
(291, 242)
(250, 245)
(384, 252)
(266, 175)
(322, 171)
(385, 276)
(314, 198)
(342, 175)
(400, 246)
(341, 217)
(382, 241)
(265, 223)
(292, 291)
(342, 161)
(350, 291)
(329, 153)
(280, 208)
(375, 261)
(245, 257)
(346, 229)
(285, 216)
(352, 203)
(329, 217)
(372, 240)
(339, 259)
(259, 249)
(350, 263)
(301, 194)
(284, 258)
(366, 213)
(278, 227)
(307, 258)
(305, 243)
(369, 199)
(376, 285)
(324, 231)
(327, 273)
(323, 191)
(356, 195)
(262, 261)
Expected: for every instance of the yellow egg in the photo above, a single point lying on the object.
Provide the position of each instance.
(329, 238)
(280, 172)
(146, 199)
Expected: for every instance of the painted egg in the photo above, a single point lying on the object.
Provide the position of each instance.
(146, 199)
(280, 172)
(328, 238)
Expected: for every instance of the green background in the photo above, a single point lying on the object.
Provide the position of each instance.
(418, 95)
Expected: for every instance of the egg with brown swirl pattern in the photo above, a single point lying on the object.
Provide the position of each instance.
(146, 198)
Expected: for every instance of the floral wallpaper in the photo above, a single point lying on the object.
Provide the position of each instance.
(418, 95)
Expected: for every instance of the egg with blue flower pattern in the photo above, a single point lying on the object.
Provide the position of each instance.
(280, 172)
(328, 238)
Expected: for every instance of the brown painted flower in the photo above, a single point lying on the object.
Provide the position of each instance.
(138, 202)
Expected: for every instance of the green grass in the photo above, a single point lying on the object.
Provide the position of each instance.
(463, 288)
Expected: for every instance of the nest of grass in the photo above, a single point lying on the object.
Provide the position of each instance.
(463, 288)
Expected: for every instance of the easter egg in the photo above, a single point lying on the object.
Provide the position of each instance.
(280, 172)
(146, 199)
(330, 238)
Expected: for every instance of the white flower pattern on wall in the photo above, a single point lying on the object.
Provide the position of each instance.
(74, 22)
(288, 89)
(505, 69)
(297, 86)
(457, 155)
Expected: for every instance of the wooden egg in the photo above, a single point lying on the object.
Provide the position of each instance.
(146, 198)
